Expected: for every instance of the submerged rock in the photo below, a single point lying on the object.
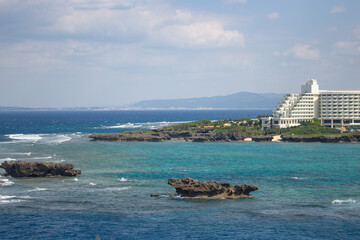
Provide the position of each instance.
(39, 169)
(191, 188)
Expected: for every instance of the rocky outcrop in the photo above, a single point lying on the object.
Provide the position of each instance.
(262, 138)
(39, 169)
(128, 137)
(160, 135)
(322, 138)
(190, 188)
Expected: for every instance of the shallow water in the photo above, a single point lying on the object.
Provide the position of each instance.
(306, 191)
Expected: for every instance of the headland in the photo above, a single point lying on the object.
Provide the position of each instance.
(242, 129)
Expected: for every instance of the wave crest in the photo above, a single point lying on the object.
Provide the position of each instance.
(339, 201)
(144, 125)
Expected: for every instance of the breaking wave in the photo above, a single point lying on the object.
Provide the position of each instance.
(7, 159)
(25, 137)
(116, 188)
(12, 199)
(297, 178)
(339, 201)
(20, 153)
(123, 179)
(144, 125)
(37, 189)
(39, 138)
(5, 182)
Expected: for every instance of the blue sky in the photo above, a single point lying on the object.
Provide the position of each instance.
(71, 53)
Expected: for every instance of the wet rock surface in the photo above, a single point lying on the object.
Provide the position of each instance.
(262, 138)
(191, 188)
(160, 135)
(20, 169)
(322, 138)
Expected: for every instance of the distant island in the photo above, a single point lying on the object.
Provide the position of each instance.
(242, 129)
(241, 100)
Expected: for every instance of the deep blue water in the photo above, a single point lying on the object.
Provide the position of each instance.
(12, 122)
(306, 191)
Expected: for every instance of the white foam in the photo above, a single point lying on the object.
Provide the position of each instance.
(145, 125)
(298, 178)
(75, 179)
(48, 157)
(5, 182)
(27, 153)
(11, 201)
(7, 159)
(40, 138)
(116, 188)
(183, 170)
(37, 189)
(54, 139)
(25, 197)
(339, 201)
(92, 184)
(2, 197)
(25, 137)
(123, 179)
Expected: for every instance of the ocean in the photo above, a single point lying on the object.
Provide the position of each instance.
(306, 190)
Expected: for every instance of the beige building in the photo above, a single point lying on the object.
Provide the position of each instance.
(333, 107)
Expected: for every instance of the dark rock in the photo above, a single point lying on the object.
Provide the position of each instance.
(130, 137)
(174, 134)
(262, 138)
(155, 195)
(190, 188)
(39, 169)
(200, 139)
(322, 138)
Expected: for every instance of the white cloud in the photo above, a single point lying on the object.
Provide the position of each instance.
(234, 1)
(347, 47)
(161, 25)
(183, 15)
(356, 32)
(276, 54)
(273, 15)
(303, 52)
(332, 29)
(99, 4)
(337, 9)
(201, 34)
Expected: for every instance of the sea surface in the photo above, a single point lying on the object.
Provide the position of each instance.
(306, 190)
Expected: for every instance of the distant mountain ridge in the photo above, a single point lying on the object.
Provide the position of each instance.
(241, 100)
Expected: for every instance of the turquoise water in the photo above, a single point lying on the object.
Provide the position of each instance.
(306, 191)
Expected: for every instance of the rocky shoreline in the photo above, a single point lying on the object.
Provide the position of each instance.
(162, 135)
(322, 138)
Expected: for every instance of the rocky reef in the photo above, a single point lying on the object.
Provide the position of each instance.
(322, 138)
(160, 135)
(20, 169)
(137, 136)
(191, 188)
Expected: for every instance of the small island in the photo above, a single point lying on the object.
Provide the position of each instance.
(242, 129)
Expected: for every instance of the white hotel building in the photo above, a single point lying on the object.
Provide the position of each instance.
(333, 107)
